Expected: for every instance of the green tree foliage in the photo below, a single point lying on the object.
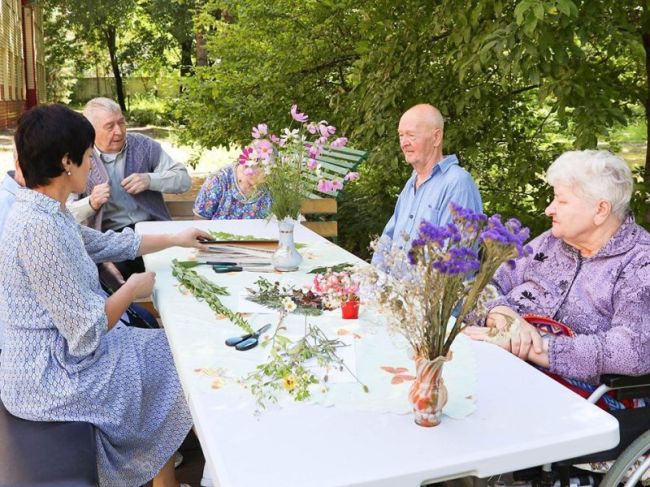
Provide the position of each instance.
(267, 55)
(174, 23)
(518, 81)
(589, 61)
(96, 23)
(144, 37)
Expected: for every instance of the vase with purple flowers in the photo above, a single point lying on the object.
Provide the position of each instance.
(444, 273)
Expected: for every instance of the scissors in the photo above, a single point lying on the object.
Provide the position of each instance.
(225, 267)
(188, 264)
(248, 341)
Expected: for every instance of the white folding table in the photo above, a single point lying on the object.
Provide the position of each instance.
(522, 419)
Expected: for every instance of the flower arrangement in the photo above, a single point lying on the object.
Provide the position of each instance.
(335, 288)
(446, 270)
(276, 296)
(289, 161)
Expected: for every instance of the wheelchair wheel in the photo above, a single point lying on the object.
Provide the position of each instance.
(631, 462)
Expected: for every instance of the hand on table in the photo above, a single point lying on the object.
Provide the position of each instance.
(136, 183)
(510, 331)
(190, 238)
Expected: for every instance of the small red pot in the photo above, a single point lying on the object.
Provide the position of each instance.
(350, 310)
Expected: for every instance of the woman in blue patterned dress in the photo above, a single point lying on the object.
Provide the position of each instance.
(233, 193)
(66, 356)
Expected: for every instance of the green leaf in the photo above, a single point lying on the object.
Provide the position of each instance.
(520, 10)
(566, 7)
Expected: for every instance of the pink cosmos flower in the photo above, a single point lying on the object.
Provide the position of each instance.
(274, 138)
(311, 128)
(260, 131)
(324, 186)
(312, 164)
(326, 130)
(314, 151)
(297, 116)
(337, 185)
(245, 155)
(351, 176)
(264, 149)
(340, 142)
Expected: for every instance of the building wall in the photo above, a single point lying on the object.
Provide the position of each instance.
(12, 59)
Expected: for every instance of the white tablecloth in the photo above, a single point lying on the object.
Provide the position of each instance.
(522, 417)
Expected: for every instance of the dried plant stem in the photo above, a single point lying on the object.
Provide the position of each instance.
(204, 290)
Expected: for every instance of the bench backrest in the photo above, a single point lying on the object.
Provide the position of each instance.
(335, 164)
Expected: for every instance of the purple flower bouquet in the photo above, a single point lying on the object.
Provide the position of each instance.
(444, 272)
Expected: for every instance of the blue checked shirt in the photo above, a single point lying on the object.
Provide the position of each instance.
(448, 182)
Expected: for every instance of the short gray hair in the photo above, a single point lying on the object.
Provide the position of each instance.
(597, 174)
(100, 104)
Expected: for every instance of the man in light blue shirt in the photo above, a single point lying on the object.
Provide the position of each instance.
(436, 181)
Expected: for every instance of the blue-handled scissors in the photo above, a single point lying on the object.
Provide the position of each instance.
(248, 341)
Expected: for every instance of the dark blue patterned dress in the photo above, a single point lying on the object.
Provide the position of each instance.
(221, 199)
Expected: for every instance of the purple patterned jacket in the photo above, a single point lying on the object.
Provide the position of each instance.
(605, 299)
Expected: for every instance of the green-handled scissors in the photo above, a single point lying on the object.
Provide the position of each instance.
(221, 269)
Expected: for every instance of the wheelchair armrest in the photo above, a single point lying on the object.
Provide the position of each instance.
(615, 381)
(628, 387)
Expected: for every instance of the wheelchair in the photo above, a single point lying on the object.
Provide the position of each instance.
(631, 456)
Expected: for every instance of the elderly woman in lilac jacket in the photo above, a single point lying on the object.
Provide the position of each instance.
(591, 271)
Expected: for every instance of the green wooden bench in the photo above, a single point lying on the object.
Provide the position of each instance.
(319, 207)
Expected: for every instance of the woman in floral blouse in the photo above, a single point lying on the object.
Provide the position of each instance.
(233, 193)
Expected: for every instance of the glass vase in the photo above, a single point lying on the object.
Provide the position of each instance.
(350, 310)
(286, 258)
(428, 394)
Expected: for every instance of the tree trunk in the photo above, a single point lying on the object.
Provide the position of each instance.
(201, 51)
(186, 57)
(186, 62)
(110, 34)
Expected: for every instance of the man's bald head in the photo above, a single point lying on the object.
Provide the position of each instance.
(420, 136)
(427, 115)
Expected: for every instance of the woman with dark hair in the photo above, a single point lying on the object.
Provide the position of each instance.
(66, 356)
